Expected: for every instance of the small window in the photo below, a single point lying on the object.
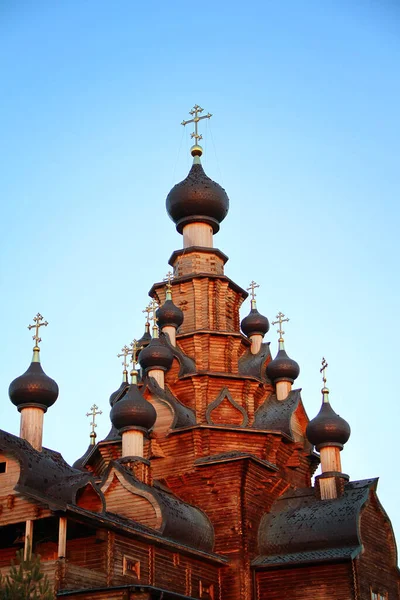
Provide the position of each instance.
(2, 467)
(131, 567)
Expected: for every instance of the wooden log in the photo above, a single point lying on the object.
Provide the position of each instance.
(283, 388)
(62, 537)
(197, 234)
(256, 341)
(132, 443)
(171, 331)
(31, 428)
(330, 459)
(28, 537)
(158, 375)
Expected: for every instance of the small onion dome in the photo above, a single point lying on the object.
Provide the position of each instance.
(119, 392)
(156, 356)
(327, 428)
(79, 463)
(282, 368)
(33, 388)
(197, 199)
(169, 315)
(254, 323)
(146, 337)
(133, 411)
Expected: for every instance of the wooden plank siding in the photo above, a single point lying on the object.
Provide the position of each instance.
(313, 582)
(376, 567)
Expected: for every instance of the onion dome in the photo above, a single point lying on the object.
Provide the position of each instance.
(254, 323)
(282, 368)
(197, 199)
(79, 464)
(34, 387)
(119, 392)
(155, 356)
(327, 428)
(146, 337)
(169, 315)
(133, 410)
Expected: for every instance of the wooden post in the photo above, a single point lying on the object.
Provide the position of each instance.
(283, 389)
(28, 537)
(330, 459)
(171, 333)
(327, 488)
(62, 537)
(256, 341)
(31, 427)
(158, 375)
(197, 234)
(132, 443)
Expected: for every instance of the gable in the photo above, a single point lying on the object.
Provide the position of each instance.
(131, 502)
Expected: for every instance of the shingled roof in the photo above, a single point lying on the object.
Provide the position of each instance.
(303, 528)
(44, 475)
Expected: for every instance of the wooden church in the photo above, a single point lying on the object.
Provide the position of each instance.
(203, 489)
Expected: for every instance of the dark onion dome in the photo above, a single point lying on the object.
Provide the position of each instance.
(282, 368)
(146, 337)
(119, 392)
(197, 199)
(254, 323)
(33, 388)
(155, 356)
(80, 462)
(169, 315)
(133, 411)
(327, 428)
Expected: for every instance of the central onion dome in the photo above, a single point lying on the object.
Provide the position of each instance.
(197, 199)
(133, 411)
(327, 428)
(34, 387)
(254, 323)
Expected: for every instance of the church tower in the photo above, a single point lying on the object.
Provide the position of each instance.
(203, 488)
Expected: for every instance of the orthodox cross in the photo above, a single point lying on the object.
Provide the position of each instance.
(125, 353)
(147, 310)
(93, 414)
(134, 352)
(323, 370)
(36, 326)
(253, 285)
(196, 110)
(168, 278)
(280, 320)
(153, 307)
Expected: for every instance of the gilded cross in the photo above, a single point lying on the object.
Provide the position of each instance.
(196, 110)
(36, 326)
(168, 278)
(93, 414)
(280, 320)
(147, 310)
(253, 285)
(125, 352)
(153, 307)
(134, 352)
(323, 370)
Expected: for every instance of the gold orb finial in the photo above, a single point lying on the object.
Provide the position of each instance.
(196, 150)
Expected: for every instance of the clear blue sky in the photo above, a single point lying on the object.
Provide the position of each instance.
(305, 139)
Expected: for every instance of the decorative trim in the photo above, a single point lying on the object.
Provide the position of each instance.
(225, 393)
